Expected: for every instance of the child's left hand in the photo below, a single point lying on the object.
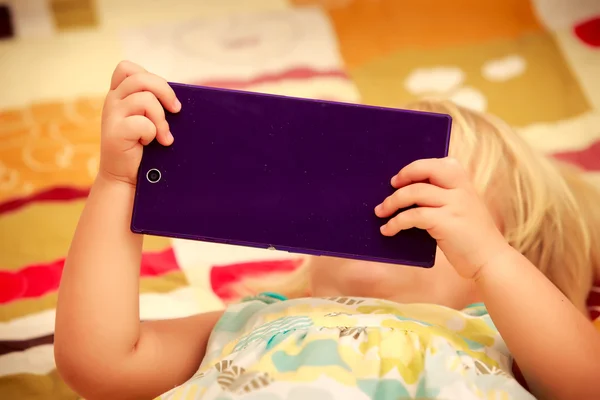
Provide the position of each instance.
(449, 209)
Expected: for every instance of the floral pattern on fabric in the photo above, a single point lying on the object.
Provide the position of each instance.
(343, 347)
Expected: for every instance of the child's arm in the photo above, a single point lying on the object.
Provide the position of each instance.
(556, 348)
(101, 348)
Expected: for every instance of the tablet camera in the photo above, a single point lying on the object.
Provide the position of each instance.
(153, 175)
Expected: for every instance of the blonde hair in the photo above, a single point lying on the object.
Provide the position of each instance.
(549, 212)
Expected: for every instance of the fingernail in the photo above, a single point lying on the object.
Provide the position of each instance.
(383, 228)
(378, 209)
(393, 180)
(170, 136)
(177, 105)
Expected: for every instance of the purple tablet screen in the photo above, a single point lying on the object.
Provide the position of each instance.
(285, 173)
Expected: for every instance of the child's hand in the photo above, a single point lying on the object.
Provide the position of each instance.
(132, 117)
(449, 209)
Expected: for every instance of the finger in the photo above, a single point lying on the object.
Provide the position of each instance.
(138, 128)
(150, 83)
(420, 194)
(146, 104)
(124, 69)
(443, 172)
(420, 217)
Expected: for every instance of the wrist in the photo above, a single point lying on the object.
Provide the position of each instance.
(503, 255)
(115, 192)
(106, 178)
(109, 186)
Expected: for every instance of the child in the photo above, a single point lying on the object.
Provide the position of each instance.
(513, 234)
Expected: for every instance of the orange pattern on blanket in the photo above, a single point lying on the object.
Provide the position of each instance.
(49, 144)
(369, 29)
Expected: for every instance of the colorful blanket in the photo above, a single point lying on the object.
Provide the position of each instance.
(532, 63)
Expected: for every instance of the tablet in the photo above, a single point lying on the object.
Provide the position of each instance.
(285, 173)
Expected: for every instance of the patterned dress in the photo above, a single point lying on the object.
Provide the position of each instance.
(270, 348)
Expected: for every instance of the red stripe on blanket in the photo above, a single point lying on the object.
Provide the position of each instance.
(222, 277)
(588, 158)
(37, 280)
(291, 74)
(589, 32)
(53, 194)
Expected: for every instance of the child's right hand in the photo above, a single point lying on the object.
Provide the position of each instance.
(131, 118)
